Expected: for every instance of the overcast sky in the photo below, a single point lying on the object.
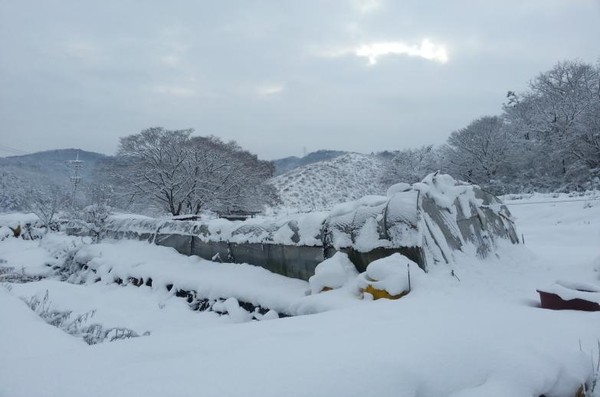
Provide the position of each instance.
(279, 77)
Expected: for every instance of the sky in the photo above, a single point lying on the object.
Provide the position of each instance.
(279, 77)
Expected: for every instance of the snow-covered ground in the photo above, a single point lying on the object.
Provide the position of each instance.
(475, 332)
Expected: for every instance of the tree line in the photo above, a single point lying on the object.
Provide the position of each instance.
(546, 138)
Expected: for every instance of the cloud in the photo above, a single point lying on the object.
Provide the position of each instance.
(269, 90)
(174, 91)
(366, 6)
(175, 53)
(426, 50)
(82, 50)
(171, 60)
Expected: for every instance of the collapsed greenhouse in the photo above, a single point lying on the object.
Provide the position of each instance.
(428, 222)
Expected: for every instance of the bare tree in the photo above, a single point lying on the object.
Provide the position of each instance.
(45, 204)
(227, 177)
(186, 175)
(154, 164)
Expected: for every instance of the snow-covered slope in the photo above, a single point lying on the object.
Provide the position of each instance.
(320, 186)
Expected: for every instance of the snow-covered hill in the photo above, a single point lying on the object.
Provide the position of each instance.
(320, 186)
(53, 164)
(20, 175)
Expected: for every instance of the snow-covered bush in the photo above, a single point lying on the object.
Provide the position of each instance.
(10, 275)
(76, 325)
(45, 204)
(232, 307)
(93, 220)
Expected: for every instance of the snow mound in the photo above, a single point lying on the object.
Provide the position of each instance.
(395, 274)
(232, 307)
(333, 273)
(15, 219)
(398, 188)
(122, 261)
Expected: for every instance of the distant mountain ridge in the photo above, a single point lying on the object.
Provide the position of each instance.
(54, 163)
(51, 166)
(289, 163)
(53, 160)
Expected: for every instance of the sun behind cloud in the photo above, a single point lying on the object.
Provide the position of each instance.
(373, 51)
(426, 50)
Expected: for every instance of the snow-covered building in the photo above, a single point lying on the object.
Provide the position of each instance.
(427, 222)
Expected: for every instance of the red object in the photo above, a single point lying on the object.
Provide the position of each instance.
(555, 302)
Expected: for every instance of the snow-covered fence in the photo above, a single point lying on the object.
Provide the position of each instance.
(428, 222)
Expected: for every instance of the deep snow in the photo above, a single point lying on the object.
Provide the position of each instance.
(474, 330)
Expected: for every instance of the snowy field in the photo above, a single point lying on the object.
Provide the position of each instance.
(476, 331)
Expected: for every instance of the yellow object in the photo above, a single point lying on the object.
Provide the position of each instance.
(382, 294)
(16, 231)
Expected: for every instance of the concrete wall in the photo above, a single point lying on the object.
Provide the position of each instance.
(287, 260)
(297, 261)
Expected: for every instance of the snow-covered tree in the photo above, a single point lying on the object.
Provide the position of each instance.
(153, 163)
(557, 124)
(185, 174)
(412, 165)
(479, 153)
(227, 177)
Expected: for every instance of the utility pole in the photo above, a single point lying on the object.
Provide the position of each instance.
(75, 166)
